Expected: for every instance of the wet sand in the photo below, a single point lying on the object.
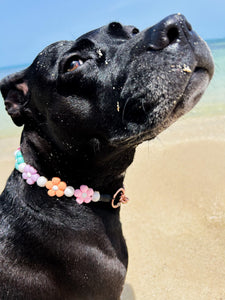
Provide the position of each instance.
(174, 223)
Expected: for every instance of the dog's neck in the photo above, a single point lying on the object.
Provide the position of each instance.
(103, 172)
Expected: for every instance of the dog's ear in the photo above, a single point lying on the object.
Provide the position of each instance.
(14, 89)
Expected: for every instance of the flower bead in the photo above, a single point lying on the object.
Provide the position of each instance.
(84, 194)
(56, 187)
(30, 174)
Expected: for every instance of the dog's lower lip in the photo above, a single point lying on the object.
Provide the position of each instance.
(199, 76)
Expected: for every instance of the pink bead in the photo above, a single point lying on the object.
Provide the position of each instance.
(87, 200)
(79, 200)
(84, 188)
(30, 174)
(84, 194)
(90, 192)
(30, 181)
(77, 193)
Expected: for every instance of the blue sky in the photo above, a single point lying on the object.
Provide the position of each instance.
(26, 26)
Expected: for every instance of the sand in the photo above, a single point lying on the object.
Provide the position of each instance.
(174, 223)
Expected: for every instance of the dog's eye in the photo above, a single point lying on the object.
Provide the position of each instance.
(73, 64)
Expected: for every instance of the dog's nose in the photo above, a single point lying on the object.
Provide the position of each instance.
(170, 30)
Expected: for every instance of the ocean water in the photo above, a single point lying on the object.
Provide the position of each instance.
(211, 104)
(213, 101)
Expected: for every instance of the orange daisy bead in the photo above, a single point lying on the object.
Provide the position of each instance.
(56, 187)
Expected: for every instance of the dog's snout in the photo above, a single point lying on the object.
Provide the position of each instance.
(170, 30)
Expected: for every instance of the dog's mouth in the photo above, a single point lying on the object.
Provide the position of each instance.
(151, 114)
(194, 90)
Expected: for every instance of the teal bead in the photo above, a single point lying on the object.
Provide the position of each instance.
(17, 166)
(20, 160)
(19, 154)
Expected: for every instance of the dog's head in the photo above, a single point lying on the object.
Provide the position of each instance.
(112, 86)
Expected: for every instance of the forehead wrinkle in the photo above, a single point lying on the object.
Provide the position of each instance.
(83, 44)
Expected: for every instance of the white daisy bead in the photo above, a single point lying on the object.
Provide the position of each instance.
(21, 167)
(69, 191)
(42, 181)
(96, 197)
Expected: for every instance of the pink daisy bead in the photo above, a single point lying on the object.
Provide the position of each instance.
(84, 194)
(30, 174)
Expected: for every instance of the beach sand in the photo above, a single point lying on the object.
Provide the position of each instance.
(174, 224)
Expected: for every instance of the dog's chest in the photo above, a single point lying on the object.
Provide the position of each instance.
(73, 264)
(85, 266)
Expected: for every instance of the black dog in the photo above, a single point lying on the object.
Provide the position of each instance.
(85, 106)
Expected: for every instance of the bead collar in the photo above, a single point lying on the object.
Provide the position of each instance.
(58, 188)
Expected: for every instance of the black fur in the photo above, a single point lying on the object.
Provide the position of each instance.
(83, 126)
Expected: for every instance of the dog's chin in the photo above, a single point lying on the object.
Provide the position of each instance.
(142, 126)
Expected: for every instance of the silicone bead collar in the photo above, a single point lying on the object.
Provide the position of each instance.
(59, 188)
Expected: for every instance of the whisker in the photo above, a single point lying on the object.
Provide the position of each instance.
(124, 108)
